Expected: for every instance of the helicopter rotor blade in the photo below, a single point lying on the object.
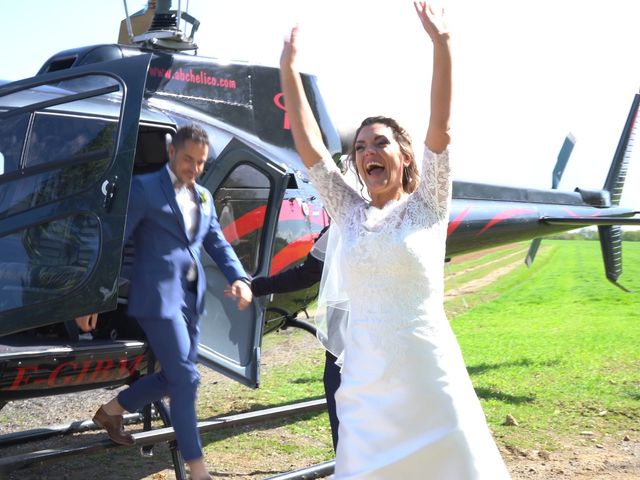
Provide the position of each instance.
(556, 176)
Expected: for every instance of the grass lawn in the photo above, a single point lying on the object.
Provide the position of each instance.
(558, 348)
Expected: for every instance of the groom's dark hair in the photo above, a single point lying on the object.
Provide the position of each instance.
(191, 132)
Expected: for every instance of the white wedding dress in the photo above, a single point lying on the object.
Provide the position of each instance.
(406, 405)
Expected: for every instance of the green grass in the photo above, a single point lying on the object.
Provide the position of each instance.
(556, 346)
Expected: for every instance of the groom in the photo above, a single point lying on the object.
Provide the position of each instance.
(170, 218)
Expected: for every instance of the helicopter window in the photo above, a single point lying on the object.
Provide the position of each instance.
(241, 203)
(41, 262)
(12, 133)
(58, 138)
(80, 147)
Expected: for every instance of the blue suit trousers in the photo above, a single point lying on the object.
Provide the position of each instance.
(174, 342)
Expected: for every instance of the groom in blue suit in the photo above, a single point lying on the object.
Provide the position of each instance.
(170, 218)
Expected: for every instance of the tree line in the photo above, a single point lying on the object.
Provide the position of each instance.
(591, 233)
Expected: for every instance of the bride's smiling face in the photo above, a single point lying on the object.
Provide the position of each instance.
(380, 162)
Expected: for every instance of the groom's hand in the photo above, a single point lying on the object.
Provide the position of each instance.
(240, 291)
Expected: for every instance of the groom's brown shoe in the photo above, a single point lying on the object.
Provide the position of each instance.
(113, 425)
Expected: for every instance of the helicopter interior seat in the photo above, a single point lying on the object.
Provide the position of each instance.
(151, 149)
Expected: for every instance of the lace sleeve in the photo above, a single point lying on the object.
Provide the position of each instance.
(434, 191)
(337, 196)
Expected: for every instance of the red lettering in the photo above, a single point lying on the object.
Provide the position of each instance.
(136, 364)
(124, 369)
(22, 377)
(103, 367)
(53, 376)
(279, 101)
(85, 368)
(189, 76)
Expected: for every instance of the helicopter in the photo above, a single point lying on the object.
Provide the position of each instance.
(72, 137)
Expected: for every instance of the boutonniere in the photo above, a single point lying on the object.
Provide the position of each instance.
(204, 202)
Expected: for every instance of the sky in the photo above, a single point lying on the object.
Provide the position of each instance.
(526, 73)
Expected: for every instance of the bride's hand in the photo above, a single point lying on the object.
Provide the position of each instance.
(433, 20)
(289, 50)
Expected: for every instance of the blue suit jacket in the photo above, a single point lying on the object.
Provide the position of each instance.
(164, 253)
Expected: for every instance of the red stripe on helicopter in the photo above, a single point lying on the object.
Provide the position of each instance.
(244, 225)
(455, 223)
(254, 220)
(293, 252)
(575, 215)
(504, 215)
(569, 212)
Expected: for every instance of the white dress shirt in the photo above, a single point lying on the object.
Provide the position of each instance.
(185, 198)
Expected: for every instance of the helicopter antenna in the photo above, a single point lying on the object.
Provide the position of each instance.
(128, 21)
(163, 30)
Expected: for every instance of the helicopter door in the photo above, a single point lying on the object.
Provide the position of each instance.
(67, 144)
(248, 190)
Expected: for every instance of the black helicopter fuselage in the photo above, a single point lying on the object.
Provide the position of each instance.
(72, 137)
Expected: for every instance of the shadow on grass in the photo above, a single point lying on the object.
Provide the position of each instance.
(303, 380)
(492, 394)
(525, 362)
(633, 394)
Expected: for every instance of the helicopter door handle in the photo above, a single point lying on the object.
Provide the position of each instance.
(109, 192)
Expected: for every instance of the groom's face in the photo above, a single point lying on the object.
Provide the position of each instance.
(187, 161)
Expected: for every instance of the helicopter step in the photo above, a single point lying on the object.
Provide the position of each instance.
(45, 432)
(320, 470)
(11, 463)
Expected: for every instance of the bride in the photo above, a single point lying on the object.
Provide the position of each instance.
(406, 405)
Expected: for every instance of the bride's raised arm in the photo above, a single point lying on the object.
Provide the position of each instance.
(432, 19)
(338, 198)
(304, 128)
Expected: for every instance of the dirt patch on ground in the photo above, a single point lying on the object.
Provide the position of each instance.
(478, 283)
(611, 458)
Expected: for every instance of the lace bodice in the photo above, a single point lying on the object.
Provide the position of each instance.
(426, 206)
(400, 353)
(392, 258)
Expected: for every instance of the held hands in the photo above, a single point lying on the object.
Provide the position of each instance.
(88, 322)
(241, 292)
(433, 20)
